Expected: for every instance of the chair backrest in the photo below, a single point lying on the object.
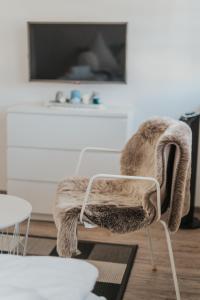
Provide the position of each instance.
(139, 154)
(152, 151)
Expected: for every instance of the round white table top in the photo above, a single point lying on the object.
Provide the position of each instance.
(13, 210)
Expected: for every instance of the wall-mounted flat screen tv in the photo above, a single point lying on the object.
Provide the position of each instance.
(88, 52)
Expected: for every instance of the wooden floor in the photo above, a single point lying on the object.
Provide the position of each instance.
(143, 283)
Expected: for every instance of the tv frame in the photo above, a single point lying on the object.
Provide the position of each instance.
(29, 23)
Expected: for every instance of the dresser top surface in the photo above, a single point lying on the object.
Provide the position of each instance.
(121, 112)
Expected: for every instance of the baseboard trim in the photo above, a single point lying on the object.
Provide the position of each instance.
(41, 217)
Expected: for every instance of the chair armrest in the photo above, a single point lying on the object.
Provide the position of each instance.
(89, 187)
(92, 149)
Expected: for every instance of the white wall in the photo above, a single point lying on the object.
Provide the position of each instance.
(163, 54)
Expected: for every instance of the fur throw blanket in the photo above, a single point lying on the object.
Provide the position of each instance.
(125, 205)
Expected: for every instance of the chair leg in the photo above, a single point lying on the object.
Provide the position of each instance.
(154, 268)
(171, 256)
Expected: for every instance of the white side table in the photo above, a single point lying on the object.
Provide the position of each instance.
(13, 211)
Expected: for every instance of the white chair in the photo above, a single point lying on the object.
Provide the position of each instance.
(153, 186)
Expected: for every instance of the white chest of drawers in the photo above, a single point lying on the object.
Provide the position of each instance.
(43, 145)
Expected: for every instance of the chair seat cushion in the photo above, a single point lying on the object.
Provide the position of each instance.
(112, 203)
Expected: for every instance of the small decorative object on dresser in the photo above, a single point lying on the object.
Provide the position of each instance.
(96, 99)
(86, 99)
(75, 97)
(60, 98)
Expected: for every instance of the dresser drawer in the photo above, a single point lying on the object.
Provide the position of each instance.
(65, 132)
(52, 165)
(41, 195)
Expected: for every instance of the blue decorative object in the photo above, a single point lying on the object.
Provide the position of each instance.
(75, 97)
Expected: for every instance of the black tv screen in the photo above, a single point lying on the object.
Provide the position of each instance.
(77, 51)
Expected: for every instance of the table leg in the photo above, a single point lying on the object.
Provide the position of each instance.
(26, 235)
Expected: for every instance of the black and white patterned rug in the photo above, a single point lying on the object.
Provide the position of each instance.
(113, 261)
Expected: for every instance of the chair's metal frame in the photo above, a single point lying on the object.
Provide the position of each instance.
(151, 179)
